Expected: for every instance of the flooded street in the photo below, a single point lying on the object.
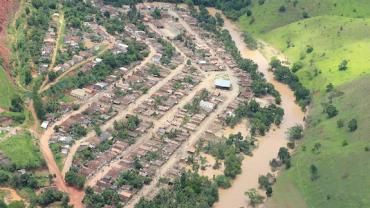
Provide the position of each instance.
(269, 144)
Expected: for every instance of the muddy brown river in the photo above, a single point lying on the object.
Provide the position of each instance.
(269, 144)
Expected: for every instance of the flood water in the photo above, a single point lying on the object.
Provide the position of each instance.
(269, 144)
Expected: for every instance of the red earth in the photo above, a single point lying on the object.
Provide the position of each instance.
(7, 10)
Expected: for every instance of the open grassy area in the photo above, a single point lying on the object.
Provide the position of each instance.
(7, 90)
(337, 30)
(333, 40)
(267, 17)
(22, 151)
(343, 169)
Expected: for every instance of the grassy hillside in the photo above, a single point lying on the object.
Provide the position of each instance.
(267, 16)
(22, 151)
(333, 39)
(6, 90)
(343, 169)
(336, 30)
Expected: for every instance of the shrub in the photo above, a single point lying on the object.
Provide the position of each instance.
(282, 9)
(331, 111)
(340, 123)
(309, 49)
(343, 65)
(297, 66)
(352, 125)
(295, 132)
(223, 181)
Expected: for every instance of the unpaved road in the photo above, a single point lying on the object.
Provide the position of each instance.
(11, 195)
(229, 96)
(69, 159)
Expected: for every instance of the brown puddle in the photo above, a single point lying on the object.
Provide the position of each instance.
(269, 144)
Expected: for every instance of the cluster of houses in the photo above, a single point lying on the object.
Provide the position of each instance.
(170, 94)
(47, 48)
(102, 158)
(153, 153)
(95, 114)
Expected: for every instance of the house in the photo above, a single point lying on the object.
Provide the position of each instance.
(65, 139)
(100, 86)
(45, 124)
(79, 93)
(222, 84)
(207, 106)
(157, 58)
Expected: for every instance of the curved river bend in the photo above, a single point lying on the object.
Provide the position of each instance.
(269, 144)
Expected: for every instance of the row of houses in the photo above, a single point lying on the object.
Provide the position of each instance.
(170, 94)
(153, 153)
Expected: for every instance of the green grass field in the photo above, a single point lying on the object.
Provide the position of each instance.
(343, 170)
(22, 151)
(336, 33)
(336, 30)
(7, 90)
(267, 17)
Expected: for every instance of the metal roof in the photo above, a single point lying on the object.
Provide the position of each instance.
(223, 83)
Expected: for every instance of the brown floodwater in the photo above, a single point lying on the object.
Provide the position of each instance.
(269, 144)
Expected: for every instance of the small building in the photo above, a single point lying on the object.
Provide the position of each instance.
(45, 124)
(223, 84)
(207, 106)
(79, 93)
(100, 86)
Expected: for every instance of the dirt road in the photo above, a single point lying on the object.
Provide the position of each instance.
(69, 159)
(11, 195)
(46, 85)
(181, 152)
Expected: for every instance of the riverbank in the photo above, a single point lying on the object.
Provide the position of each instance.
(269, 144)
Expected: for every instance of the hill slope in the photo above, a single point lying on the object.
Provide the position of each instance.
(343, 169)
(336, 30)
(333, 40)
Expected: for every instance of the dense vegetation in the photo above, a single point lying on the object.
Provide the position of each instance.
(74, 179)
(261, 118)
(98, 200)
(100, 71)
(188, 190)
(31, 29)
(231, 151)
(285, 75)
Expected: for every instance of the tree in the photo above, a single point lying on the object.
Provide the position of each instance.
(283, 154)
(16, 104)
(309, 49)
(52, 76)
(295, 132)
(223, 181)
(331, 111)
(254, 198)
(340, 123)
(352, 125)
(156, 13)
(264, 182)
(343, 65)
(269, 191)
(282, 9)
(219, 19)
(27, 77)
(314, 172)
(329, 87)
(74, 179)
(49, 196)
